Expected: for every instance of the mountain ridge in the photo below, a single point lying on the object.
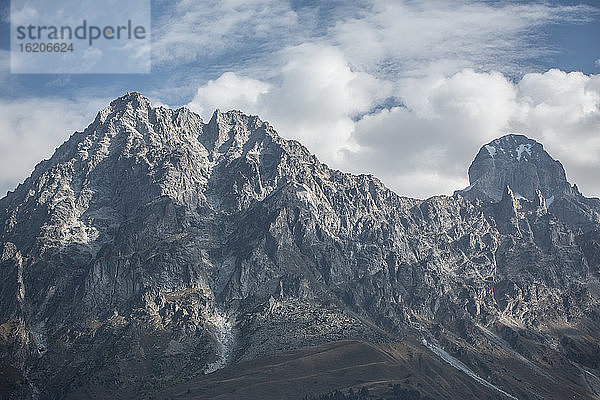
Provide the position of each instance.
(153, 248)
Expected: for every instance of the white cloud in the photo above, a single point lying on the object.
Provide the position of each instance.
(317, 97)
(313, 98)
(414, 34)
(33, 128)
(23, 15)
(424, 148)
(227, 92)
(390, 39)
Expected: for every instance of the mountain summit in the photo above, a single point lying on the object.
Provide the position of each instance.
(522, 164)
(159, 255)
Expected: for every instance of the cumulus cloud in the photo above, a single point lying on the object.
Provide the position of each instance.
(424, 147)
(229, 91)
(317, 96)
(313, 98)
(33, 128)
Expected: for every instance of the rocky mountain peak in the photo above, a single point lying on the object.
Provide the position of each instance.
(133, 99)
(127, 105)
(517, 167)
(233, 127)
(518, 162)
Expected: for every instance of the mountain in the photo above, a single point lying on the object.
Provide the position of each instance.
(522, 164)
(156, 255)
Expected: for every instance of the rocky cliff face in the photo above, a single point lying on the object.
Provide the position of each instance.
(520, 163)
(154, 248)
(523, 165)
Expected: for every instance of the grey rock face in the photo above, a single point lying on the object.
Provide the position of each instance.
(520, 163)
(154, 247)
(529, 171)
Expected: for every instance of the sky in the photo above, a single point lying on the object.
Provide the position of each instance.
(405, 90)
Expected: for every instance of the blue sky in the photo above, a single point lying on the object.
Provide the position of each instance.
(406, 90)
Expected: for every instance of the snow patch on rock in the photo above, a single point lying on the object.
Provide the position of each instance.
(491, 150)
(523, 148)
(467, 188)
